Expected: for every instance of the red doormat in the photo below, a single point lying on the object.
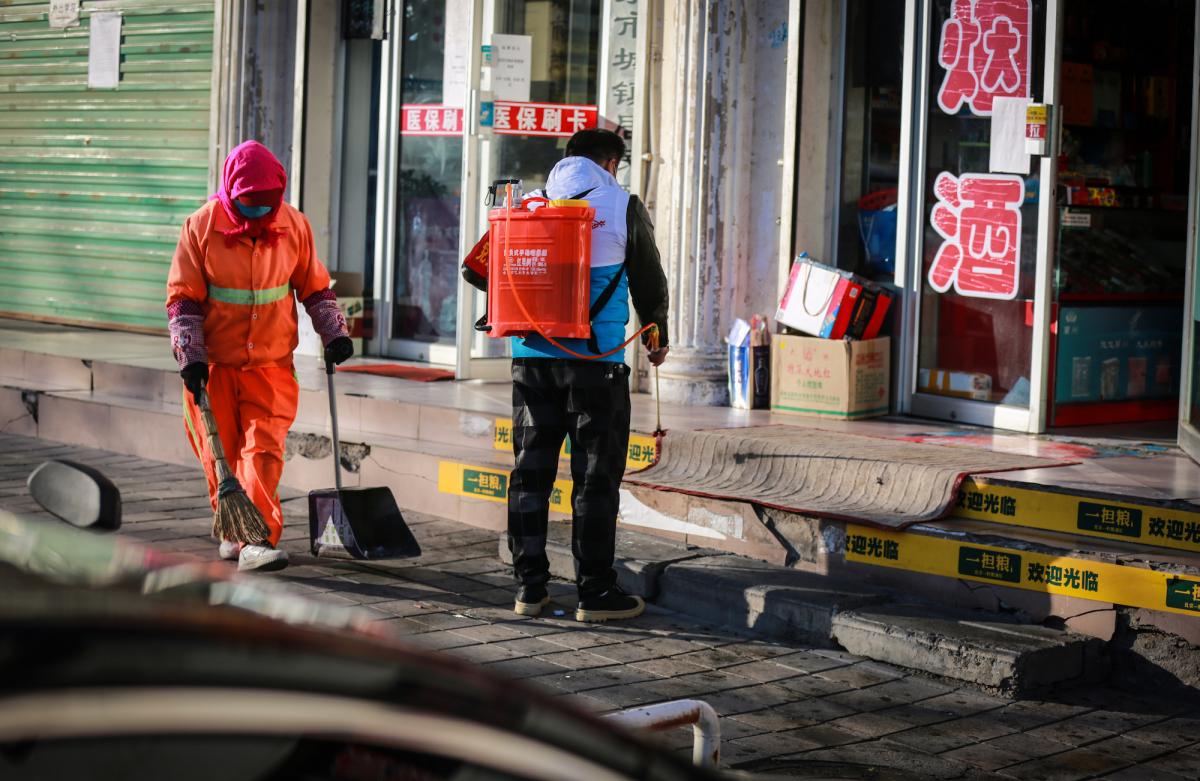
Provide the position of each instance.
(401, 371)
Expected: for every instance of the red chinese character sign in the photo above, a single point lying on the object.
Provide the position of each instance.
(979, 219)
(542, 119)
(428, 119)
(986, 52)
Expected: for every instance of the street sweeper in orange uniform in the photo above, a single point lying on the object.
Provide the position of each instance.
(242, 260)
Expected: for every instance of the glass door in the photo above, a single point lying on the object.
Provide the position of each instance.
(1123, 182)
(536, 70)
(425, 90)
(1189, 406)
(984, 211)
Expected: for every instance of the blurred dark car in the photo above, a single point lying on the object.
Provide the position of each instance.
(117, 661)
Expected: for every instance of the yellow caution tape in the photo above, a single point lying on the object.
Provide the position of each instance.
(641, 447)
(1094, 580)
(1064, 512)
(491, 483)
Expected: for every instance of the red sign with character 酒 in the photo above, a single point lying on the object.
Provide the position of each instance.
(978, 217)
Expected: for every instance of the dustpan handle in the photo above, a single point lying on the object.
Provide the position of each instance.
(337, 462)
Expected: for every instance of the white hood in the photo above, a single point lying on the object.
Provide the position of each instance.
(572, 175)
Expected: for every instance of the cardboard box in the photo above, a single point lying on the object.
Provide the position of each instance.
(964, 385)
(824, 378)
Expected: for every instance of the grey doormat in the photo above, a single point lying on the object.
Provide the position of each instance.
(824, 473)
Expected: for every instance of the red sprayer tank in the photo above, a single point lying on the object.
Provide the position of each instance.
(549, 247)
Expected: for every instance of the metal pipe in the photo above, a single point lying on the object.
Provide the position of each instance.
(706, 729)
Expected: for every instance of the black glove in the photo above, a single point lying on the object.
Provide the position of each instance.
(195, 377)
(340, 349)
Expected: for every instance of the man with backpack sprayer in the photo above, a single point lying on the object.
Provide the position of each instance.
(558, 393)
(232, 317)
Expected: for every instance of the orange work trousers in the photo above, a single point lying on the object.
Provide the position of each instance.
(254, 408)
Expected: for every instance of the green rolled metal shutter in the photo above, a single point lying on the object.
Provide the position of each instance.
(95, 184)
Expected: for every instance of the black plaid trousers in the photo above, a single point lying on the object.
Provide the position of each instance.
(587, 401)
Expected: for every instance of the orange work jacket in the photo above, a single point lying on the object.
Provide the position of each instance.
(244, 286)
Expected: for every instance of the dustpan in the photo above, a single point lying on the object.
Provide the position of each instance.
(363, 523)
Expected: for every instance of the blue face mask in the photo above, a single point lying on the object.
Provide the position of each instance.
(252, 212)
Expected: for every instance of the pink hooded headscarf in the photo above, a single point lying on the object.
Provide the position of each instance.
(250, 168)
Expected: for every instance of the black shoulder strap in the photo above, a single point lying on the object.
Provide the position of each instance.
(611, 288)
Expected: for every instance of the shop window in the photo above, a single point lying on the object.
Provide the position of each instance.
(870, 155)
(564, 70)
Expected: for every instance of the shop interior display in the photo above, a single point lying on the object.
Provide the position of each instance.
(1122, 199)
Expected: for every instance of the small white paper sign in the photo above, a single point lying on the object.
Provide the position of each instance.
(457, 49)
(64, 13)
(104, 51)
(512, 62)
(1007, 154)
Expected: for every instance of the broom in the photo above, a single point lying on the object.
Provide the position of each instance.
(236, 518)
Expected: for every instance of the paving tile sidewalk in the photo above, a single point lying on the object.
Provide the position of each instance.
(778, 702)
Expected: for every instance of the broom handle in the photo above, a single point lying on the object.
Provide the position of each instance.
(214, 438)
(337, 463)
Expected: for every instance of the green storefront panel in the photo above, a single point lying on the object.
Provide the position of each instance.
(94, 184)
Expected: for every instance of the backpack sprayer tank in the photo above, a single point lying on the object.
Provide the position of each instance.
(539, 268)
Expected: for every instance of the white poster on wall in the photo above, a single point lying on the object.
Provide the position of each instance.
(1006, 154)
(64, 13)
(104, 51)
(457, 53)
(512, 59)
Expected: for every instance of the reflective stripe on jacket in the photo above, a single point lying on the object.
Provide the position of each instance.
(244, 286)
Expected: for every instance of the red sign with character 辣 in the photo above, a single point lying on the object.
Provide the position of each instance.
(986, 51)
(429, 119)
(542, 119)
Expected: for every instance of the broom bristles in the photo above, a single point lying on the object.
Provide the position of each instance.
(238, 520)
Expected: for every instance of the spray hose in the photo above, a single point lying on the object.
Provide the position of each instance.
(652, 328)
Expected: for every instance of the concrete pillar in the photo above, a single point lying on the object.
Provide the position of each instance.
(713, 187)
(253, 86)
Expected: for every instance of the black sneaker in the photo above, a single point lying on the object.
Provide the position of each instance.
(531, 600)
(612, 604)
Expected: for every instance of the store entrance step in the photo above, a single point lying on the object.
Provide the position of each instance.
(1036, 571)
(641, 558)
(772, 601)
(981, 648)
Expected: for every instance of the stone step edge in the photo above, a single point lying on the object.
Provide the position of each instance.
(640, 561)
(488, 456)
(671, 575)
(1006, 656)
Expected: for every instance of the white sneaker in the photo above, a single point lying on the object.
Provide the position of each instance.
(261, 557)
(229, 550)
